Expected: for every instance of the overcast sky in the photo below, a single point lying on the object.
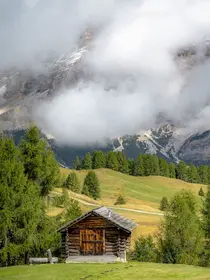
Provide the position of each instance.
(133, 54)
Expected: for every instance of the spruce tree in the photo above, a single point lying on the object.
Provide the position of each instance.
(172, 170)
(39, 162)
(206, 227)
(72, 182)
(201, 192)
(87, 162)
(164, 204)
(76, 164)
(192, 174)
(164, 168)
(131, 166)
(139, 168)
(22, 211)
(91, 185)
(98, 160)
(206, 214)
(181, 236)
(122, 163)
(203, 174)
(155, 165)
(111, 161)
(182, 172)
(147, 165)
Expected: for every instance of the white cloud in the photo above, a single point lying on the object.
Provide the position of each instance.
(133, 55)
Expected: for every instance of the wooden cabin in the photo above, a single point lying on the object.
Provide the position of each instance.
(100, 234)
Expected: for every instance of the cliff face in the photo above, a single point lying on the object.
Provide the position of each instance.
(23, 89)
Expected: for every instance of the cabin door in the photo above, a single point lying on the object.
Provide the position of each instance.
(92, 241)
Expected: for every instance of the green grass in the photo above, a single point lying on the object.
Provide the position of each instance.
(142, 193)
(129, 271)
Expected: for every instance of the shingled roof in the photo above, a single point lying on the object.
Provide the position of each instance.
(109, 215)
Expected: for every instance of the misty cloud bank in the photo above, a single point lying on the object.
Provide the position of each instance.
(135, 75)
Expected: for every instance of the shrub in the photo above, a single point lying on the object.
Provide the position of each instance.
(164, 204)
(145, 250)
(120, 200)
(201, 192)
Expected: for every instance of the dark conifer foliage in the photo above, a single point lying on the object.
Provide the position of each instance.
(145, 165)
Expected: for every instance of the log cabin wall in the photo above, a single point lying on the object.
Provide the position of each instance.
(116, 240)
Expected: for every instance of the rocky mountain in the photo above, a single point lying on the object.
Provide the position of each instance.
(22, 89)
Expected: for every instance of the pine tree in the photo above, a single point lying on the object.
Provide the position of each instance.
(155, 165)
(201, 192)
(21, 210)
(139, 168)
(182, 171)
(131, 166)
(206, 214)
(72, 182)
(192, 174)
(203, 174)
(87, 162)
(164, 168)
(206, 226)
(73, 211)
(147, 165)
(122, 163)
(76, 164)
(39, 162)
(172, 170)
(111, 161)
(164, 204)
(181, 235)
(98, 160)
(91, 185)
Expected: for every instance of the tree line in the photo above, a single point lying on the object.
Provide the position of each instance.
(183, 236)
(144, 165)
(28, 173)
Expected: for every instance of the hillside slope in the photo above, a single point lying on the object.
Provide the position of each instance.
(142, 193)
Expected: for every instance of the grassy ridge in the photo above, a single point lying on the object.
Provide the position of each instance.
(142, 193)
(144, 271)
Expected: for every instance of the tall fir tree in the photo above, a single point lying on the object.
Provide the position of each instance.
(206, 226)
(203, 174)
(139, 167)
(181, 236)
(98, 160)
(122, 163)
(21, 210)
(193, 176)
(147, 165)
(111, 161)
(182, 172)
(164, 168)
(155, 165)
(91, 185)
(39, 162)
(87, 162)
(172, 170)
(76, 164)
(72, 182)
(131, 167)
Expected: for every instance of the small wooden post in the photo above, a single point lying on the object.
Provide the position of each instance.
(49, 256)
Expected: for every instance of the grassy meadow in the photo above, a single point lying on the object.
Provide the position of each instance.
(128, 271)
(141, 193)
